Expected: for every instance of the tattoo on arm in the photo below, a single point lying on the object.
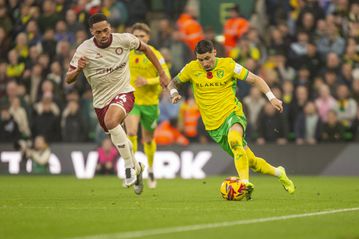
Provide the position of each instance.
(175, 83)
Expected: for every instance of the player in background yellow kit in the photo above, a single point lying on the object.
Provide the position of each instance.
(145, 80)
(214, 82)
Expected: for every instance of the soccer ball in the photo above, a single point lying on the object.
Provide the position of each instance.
(233, 189)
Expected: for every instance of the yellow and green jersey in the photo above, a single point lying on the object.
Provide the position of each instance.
(140, 65)
(215, 90)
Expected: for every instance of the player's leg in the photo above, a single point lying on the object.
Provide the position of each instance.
(262, 166)
(148, 124)
(235, 141)
(113, 120)
(132, 121)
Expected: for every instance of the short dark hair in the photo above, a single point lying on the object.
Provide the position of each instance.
(97, 17)
(204, 46)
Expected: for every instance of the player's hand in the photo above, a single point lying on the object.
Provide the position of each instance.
(164, 80)
(277, 104)
(140, 81)
(81, 63)
(175, 98)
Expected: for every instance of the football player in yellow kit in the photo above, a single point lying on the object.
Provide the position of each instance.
(214, 82)
(145, 80)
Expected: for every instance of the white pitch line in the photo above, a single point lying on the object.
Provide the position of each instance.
(160, 231)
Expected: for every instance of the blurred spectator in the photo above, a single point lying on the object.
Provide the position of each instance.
(331, 42)
(72, 123)
(15, 68)
(346, 75)
(346, 107)
(244, 50)
(167, 134)
(188, 117)
(234, 28)
(164, 35)
(5, 19)
(282, 67)
(331, 79)
(46, 119)
(49, 17)
(107, 158)
(49, 42)
(73, 25)
(288, 95)
(55, 74)
(4, 79)
(137, 10)
(62, 33)
(4, 44)
(209, 34)
(115, 11)
(303, 77)
(253, 104)
(39, 154)
(306, 22)
(33, 34)
(190, 28)
(9, 129)
(21, 46)
(168, 111)
(324, 103)
(332, 130)
(297, 107)
(298, 49)
(180, 53)
(272, 126)
(355, 89)
(308, 125)
(20, 116)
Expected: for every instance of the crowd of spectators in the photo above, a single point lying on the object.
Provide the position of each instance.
(306, 50)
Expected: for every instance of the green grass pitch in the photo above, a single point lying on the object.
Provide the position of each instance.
(64, 207)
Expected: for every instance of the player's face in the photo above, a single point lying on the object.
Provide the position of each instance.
(207, 60)
(101, 31)
(142, 35)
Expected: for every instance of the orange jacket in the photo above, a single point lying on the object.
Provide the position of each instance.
(234, 28)
(165, 134)
(191, 30)
(189, 114)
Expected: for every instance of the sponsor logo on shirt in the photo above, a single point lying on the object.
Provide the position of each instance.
(110, 69)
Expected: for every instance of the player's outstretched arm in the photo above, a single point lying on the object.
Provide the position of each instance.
(72, 73)
(172, 87)
(164, 80)
(264, 88)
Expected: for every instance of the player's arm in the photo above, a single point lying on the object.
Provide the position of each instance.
(164, 79)
(73, 72)
(264, 88)
(172, 87)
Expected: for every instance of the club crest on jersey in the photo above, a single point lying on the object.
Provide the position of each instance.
(220, 73)
(119, 50)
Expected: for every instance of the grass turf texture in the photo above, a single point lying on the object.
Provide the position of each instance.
(64, 207)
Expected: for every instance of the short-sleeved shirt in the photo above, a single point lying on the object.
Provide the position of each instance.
(107, 70)
(140, 65)
(215, 90)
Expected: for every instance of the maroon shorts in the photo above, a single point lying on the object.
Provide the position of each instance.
(124, 100)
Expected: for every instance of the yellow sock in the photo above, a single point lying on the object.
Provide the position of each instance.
(258, 164)
(240, 157)
(133, 140)
(150, 149)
